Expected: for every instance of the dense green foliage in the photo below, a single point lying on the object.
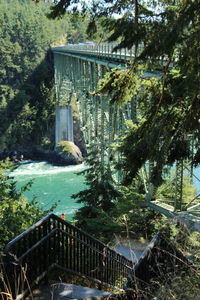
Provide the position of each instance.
(27, 97)
(27, 76)
(16, 213)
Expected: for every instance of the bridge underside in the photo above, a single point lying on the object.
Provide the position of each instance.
(77, 73)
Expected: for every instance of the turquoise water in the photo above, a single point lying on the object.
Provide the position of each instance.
(51, 184)
(196, 179)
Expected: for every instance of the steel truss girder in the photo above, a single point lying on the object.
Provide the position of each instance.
(100, 120)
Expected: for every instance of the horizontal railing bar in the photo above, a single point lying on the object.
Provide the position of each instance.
(80, 231)
(26, 232)
(150, 246)
(82, 242)
(106, 63)
(41, 222)
(38, 244)
(95, 54)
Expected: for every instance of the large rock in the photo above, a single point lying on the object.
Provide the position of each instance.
(69, 151)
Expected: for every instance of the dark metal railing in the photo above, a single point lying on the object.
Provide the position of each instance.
(158, 262)
(53, 242)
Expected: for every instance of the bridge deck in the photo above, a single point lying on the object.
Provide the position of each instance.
(101, 56)
(163, 208)
(184, 217)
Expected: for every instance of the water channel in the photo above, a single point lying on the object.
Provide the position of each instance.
(51, 184)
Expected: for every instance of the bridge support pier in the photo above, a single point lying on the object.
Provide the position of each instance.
(64, 124)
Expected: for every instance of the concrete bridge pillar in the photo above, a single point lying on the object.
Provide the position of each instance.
(64, 124)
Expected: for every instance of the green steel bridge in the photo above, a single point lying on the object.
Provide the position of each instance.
(78, 69)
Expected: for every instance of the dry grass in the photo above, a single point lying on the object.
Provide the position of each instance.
(12, 289)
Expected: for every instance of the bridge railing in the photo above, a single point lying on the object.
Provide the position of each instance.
(108, 52)
(54, 243)
(105, 50)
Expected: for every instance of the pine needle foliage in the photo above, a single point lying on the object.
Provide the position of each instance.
(101, 191)
(99, 196)
(135, 220)
(119, 85)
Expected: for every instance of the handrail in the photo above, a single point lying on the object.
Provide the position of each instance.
(102, 51)
(40, 222)
(70, 236)
(161, 257)
(55, 242)
(36, 245)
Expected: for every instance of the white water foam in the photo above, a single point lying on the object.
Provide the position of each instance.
(34, 168)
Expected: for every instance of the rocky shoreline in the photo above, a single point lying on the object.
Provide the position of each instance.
(38, 154)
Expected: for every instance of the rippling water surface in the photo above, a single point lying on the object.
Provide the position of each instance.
(51, 184)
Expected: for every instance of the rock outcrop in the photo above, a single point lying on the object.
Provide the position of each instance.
(69, 152)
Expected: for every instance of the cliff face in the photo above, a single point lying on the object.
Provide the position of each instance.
(78, 136)
(78, 133)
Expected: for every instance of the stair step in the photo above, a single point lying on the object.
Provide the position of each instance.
(64, 291)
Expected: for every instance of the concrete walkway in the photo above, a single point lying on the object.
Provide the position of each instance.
(127, 252)
(129, 248)
(64, 291)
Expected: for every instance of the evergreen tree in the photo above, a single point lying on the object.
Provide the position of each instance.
(136, 221)
(98, 198)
